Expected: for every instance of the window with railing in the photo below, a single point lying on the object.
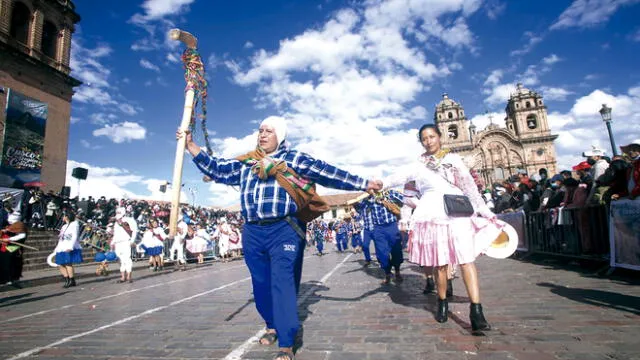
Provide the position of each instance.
(49, 39)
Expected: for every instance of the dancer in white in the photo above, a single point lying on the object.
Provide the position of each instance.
(177, 248)
(68, 250)
(198, 241)
(125, 231)
(224, 231)
(153, 244)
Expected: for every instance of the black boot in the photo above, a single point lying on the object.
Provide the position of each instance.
(478, 322)
(66, 282)
(428, 289)
(72, 282)
(449, 289)
(443, 311)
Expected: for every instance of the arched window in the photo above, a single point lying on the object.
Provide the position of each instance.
(439, 116)
(452, 132)
(517, 105)
(450, 115)
(20, 18)
(49, 39)
(539, 102)
(527, 105)
(532, 121)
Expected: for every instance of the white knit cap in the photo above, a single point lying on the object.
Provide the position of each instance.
(279, 126)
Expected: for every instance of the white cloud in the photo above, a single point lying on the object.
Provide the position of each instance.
(102, 118)
(481, 121)
(551, 59)
(531, 41)
(89, 145)
(494, 9)
(156, 22)
(248, 45)
(494, 78)
(588, 13)
(125, 131)
(498, 94)
(582, 126)
(74, 120)
(554, 93)
(173, 58)
(111, 182)
(635, 36)
(149, 65)
(127, 109)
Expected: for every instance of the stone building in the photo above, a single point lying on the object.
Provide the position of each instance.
(35, 50)
(525, 143)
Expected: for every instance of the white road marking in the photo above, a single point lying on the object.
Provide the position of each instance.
(122, 321)
(102, 298)
(237, 353)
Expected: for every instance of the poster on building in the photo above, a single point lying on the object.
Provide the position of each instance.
(23, 140)
(624, 229)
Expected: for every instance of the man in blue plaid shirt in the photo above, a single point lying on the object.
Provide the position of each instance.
(273, 250)
(386, 235)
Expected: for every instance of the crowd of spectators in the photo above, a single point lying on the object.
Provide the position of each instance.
(596, 181)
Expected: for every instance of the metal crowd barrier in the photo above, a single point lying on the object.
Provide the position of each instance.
(576, 232)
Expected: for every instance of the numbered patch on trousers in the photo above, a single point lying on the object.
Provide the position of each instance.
(289, 247)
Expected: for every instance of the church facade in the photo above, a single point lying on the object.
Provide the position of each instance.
(525, 143)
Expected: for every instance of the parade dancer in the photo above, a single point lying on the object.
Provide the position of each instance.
(177, 247)
(273, 240)
(342, 229)
(318, 236)
(196, 244)
(384, 211)
(443, 238)
(68, 250)
(367, 233)
(356, 233)
(12, 238)
(153, 244)
(125, 231)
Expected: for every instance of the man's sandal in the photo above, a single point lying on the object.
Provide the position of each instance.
(283, 355)
(268, 339)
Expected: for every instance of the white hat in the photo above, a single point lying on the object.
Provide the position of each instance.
(505, 244)
(279, 125)
(595, 151)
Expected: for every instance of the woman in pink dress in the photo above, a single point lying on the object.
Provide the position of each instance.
(437, 239)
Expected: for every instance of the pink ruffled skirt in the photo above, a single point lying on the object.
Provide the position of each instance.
(450, 241)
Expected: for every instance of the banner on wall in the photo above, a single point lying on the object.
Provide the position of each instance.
(516, 219)
(23, 148)
(624, 230)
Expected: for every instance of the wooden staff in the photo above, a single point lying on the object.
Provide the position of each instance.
(9, 242)
(191, 42)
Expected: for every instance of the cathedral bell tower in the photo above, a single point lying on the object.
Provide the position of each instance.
(526, 114)
(453, 124)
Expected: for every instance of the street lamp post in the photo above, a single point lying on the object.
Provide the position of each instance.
(605, 112)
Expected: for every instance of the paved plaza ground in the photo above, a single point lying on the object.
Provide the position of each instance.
(539, 311)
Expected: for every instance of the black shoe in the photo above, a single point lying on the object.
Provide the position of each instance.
(67, 282)
(15, 284)
(443, 311)
(478, 322)
(367, 263)
(72, 282)
(449, 289)
(431, 285)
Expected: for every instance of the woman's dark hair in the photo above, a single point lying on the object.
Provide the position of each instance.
(71, 215)
(428, 126)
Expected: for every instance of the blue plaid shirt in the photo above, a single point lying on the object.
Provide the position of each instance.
(379, 215)
(266, 199)
(344, 228)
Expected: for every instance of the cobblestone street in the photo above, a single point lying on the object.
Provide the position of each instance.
(538, 311)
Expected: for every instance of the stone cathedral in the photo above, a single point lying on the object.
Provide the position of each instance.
(525, 143)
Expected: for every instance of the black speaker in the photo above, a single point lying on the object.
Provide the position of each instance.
(79, 173)
(66, 191)
(163, 188)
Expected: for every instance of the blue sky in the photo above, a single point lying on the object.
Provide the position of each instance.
(353, 79)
